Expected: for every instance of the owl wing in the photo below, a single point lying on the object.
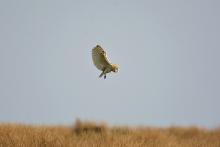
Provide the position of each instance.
(99, 58)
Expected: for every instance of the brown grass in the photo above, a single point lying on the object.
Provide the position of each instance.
(88, 134)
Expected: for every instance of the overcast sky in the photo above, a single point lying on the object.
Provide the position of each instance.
(168, 53)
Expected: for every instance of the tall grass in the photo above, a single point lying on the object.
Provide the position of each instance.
(88, 134)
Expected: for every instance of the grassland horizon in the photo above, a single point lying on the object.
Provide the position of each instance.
(91, 134)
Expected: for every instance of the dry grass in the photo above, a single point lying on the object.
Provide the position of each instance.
(87, 134)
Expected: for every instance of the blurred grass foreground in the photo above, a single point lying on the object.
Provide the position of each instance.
(88, 134)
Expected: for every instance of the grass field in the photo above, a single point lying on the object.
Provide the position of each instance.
(87, 134)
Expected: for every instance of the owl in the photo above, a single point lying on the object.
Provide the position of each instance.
(101, 62)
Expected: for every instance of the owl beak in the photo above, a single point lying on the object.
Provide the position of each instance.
(116, 70)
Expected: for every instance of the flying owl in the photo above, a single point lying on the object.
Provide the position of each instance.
(100, 60)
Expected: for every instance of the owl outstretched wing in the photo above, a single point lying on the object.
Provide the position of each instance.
(99, 58)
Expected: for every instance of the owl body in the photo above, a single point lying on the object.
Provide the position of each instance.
(101, 62)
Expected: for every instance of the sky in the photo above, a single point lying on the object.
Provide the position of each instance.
(167, 51)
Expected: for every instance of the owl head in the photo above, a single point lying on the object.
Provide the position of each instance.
(115, 67)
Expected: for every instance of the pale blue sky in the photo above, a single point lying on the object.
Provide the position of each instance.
(168, 52)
